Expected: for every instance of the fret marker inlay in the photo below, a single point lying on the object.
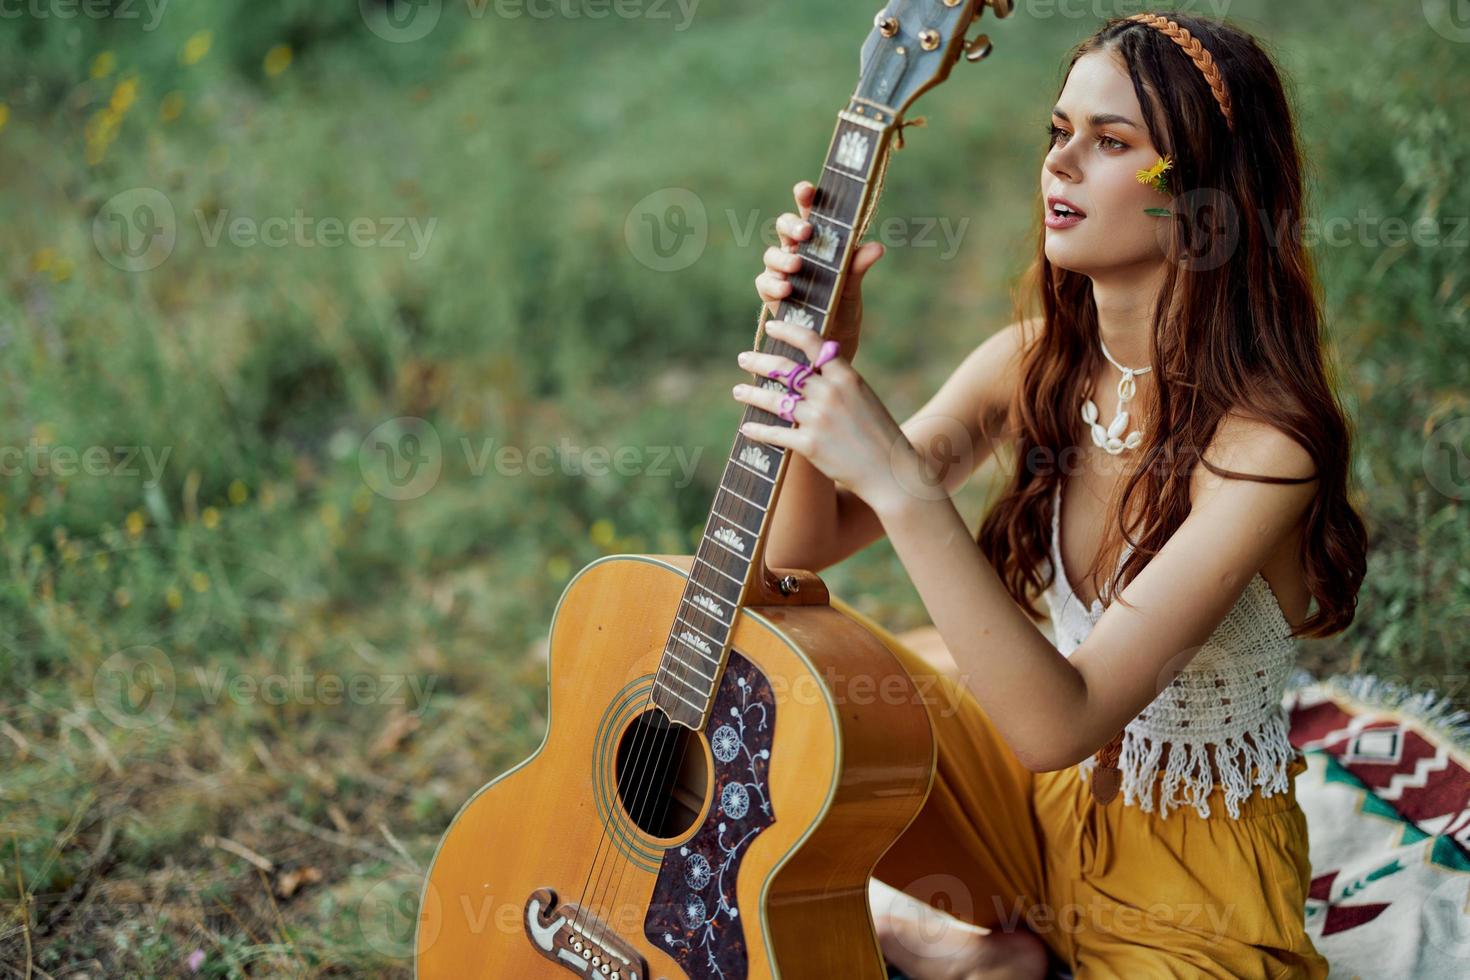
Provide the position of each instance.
(728, 536)
(801, 318)
(697, 643)
(852, 150)
(753, 457)
(824, 242)
(710, 606)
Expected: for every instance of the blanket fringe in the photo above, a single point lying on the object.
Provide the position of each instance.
(1432, 710)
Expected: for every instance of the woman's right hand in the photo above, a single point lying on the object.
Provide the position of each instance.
(772, 285)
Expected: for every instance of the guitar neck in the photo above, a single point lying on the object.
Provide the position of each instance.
(724, 565)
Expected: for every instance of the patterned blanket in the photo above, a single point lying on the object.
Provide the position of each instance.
(1387, 800)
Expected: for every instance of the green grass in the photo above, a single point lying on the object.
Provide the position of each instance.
(263, 552)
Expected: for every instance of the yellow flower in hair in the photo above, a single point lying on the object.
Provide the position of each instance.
(1155, 175)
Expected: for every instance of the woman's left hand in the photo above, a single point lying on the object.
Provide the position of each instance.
(841, 426)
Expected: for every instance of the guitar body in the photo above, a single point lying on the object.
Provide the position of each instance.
(753, 861)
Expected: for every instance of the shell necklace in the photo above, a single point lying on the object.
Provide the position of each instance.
(1112, 438)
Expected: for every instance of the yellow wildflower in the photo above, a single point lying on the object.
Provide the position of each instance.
(210, 518)
(171, 107)
(558, 568)
(196, 47)
(134, 524)
(174, 598)
(602, 532)
(123, 94)
(4, 114)
(277, 59)
(238, 492)
(199, 582)
(103, 64)
(1155, 175)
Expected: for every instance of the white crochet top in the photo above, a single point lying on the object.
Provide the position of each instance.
(1232, 688)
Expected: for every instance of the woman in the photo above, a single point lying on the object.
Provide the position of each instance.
(1175, 375)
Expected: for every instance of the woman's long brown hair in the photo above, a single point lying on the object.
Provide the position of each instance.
(1237, 329)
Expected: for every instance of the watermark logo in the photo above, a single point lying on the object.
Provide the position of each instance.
(667, 230)
(402, 458)
(948, 448)
(135, 230)
(135, 688)
(40, 458)
(391, 911)
(1099, 10)
(1447, 458)
(1203, 232)
(297, 685)
(401, 21)
(150, 11)
(1450, 19)
(1446, 925)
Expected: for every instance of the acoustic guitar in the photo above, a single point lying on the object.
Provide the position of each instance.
(727, 756)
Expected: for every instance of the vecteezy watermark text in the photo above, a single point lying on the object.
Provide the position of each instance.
(403, 457)
(299, 686)
(137, 230)
(406, 21)
(302, 230)
(38, 458)
(150, 11)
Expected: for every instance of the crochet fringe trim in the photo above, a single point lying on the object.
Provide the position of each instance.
(1186, 772)
(1187, 781)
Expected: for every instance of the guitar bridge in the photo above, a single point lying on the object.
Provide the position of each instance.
(579, 941)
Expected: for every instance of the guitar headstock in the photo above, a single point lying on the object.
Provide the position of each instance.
(915, 43)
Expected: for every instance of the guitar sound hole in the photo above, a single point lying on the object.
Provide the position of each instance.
(662, 775)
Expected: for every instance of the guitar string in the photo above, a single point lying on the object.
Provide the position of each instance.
(638, 758)
(586, 906)
(585, 909)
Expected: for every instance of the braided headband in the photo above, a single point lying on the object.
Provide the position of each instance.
(1197, 53)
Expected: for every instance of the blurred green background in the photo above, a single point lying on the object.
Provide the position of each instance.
(246, 241)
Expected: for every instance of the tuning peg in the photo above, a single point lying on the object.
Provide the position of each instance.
(1001, 8)
(978, 49)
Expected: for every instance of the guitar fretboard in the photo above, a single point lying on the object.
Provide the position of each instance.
(694, 655)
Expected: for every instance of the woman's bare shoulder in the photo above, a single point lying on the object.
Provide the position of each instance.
(993, 368)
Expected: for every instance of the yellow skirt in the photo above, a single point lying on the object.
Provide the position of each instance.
(1111, 890)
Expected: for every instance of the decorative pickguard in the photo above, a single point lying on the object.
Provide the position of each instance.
(692, 914)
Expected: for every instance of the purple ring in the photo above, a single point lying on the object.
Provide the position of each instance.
(787, 410)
